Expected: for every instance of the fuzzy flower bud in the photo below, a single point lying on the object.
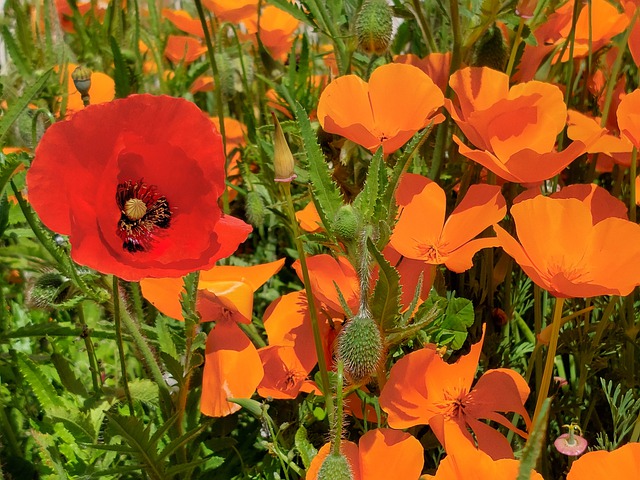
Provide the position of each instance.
(374, 26)
(282, 156)
(360, 347)
(335, 467)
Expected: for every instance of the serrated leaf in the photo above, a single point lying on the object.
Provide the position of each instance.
(54, 330)
(4, 214)
(48, 453)
(385, 303)
(121, 72)
(535, 442)
(9, 166)
(21, 103)
(306, 450)
(367, 200)
(78, 424)
(181, 441)
(295, 11)
(183, 467)
(39, 382)
(144, 391)
(19, 59)
(67, 376)
(165, 338)
(326, 195)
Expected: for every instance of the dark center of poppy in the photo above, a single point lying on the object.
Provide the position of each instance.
(142, 212)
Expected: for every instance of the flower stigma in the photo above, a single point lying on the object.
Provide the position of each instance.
(142, 212)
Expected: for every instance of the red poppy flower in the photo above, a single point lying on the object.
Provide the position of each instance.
(136, 198)
(368, 115)
(575, 243)
(424, 389)
(514, 128)
(381, 454)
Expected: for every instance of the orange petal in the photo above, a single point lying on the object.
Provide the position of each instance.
(255, 275)
(624, 462)
(413, 237)
(629, 117)
(386, 453)
(183, 49)
(461, 260)
(478, 88)
(436, 65)
(309, 219)
(220, 299)
(482, 206)
(284, 375)
(348, 449)
(164, 294)
(410, 185)
(182, 20)
(602, 203)
(232, 369)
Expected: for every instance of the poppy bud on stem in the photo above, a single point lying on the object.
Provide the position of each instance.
(81, 77)
(282, 156)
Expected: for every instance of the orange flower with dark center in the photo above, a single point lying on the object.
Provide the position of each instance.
(514, 128)
(575, 243)
(137, 199)
(438, 241)
(424, 389)
(284, 374)
(367, 114)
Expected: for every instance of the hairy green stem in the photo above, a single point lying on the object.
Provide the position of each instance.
(118, 324)
(337, 427)
(91, 353)
(424, 26)
(317, 338)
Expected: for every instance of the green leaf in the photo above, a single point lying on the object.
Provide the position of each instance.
(9, 166)
(39, 382)
(144, 391)
(294, 10)
(326, 195)
(20, 60)
(306, 450)
(21, 103)
(385, 303)
(368, 199)
(254, 407)
(67, 376)
(121, 73)
(4, 214)
(457, 318)
(535, 442)
(181, 441)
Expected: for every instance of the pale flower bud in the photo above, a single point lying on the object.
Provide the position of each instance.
(282, 156)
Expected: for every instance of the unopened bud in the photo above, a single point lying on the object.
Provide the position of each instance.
(374, 26)
(335, 467)
(282, 156)
(526, 8)
(81, 77)
(345, 223)
(360, 347)
(491, 51)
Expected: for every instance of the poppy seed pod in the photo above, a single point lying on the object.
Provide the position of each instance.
(360, 347)
(335, 467)
(374, 26)
(81, 77)
(282, 156)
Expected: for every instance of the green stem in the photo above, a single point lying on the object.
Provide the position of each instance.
(337, 427)
(456, 56)
(543, 391)
(514, 48)
(123, 363)
(91, 353)
(424, 26)
(317, 338)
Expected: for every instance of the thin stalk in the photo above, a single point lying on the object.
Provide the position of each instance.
(456, 57)
(91, 353)
(514, 48)
(424, 26)
(543, 391)
(337, 428)
(322, 362)
(118, 324)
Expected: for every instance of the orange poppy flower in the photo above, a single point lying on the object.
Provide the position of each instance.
(436, 65)
(309, 219)
(284, 375)
(368, 115)
(102, 90)
(276, 30)
(630, 8)
(184, 21)
(574, 243)
(233, 367)
(623, 462)
(424, 389)
(183, 49)
(204, 83)
(465, 462)
(233, 11)
(584, 128)
(380, 454)
(436, 241)
(514, 128)
(629, 117)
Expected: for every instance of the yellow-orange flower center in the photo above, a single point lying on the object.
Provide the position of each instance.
(134, 208)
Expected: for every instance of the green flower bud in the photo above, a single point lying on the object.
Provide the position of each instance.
(360, 347)
(282, 156)
(255, 209)
(345, 224)
(335, 467)
(491, 51)
(374, 26)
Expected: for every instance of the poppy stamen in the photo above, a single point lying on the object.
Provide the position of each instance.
(142, 212)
